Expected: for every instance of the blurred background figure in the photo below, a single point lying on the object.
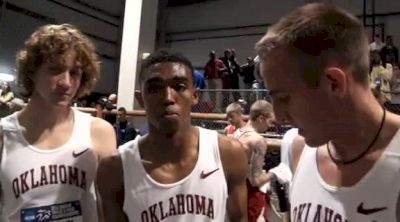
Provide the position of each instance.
(377, 44)
(380, 76)
(6, 95)
(124, 129)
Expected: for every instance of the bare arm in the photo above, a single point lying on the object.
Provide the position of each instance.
(297, 149)
(104, 144)
(234, 160)
(110, 181)
(257, 147)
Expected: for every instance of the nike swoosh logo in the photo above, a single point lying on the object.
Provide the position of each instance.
(362, 210)
(75, 155)
(205, 175)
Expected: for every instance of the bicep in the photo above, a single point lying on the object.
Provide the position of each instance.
(110, 186)
(235, 165)
(237, 201)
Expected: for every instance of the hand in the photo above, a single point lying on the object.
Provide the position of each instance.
(282, 173)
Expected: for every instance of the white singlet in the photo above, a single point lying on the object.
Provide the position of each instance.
(48, 185)
(200, 196)
(376, 197)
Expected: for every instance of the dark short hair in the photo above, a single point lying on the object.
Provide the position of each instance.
(165, 56)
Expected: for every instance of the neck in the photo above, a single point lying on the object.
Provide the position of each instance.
(173, 140)
(251, 126)
(53, 114)
(171, 148)
(357, 131)
(241, 124)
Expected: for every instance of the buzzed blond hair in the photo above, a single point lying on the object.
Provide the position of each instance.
(317, 35)
(234, 107)
(261, 107)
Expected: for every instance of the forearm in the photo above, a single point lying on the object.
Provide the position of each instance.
(261, 178)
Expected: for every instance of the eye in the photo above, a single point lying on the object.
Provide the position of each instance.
(180, 87)
(75, 72)
(154, 87)
(55, 69)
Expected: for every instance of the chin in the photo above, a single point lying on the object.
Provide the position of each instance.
(61, 104)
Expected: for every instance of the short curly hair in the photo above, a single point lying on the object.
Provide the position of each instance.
(51, 42)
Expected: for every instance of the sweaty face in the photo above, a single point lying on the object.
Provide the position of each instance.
(56, 82)
(168, 94)
(294, 102)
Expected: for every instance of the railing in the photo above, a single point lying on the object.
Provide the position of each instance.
(273, 140)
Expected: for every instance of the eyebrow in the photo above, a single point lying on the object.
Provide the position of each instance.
(159, 79)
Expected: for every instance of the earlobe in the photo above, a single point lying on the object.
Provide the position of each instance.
(139, 98)
(195, 97)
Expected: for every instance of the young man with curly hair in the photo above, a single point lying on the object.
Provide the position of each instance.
(50, 151)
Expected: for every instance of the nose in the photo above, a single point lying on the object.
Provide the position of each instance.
(282, 116)
(65, 79)
(169, 95)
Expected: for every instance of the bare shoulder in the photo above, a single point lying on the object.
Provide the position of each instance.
(233, 155)
(99, 125)
(103, 137)
(229, 146)
(256, 140)
(297, 148)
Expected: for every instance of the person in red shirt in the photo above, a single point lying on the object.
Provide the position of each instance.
(213, 73)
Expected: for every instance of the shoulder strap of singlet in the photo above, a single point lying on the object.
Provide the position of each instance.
(243, 133)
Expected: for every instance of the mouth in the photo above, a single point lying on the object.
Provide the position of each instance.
(63, 94)
(169, 114)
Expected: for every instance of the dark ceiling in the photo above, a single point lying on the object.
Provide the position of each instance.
(173, 3)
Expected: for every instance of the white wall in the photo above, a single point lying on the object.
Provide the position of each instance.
(233, 13)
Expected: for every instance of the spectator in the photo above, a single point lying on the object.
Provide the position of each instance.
(213, 72)
(248, 79)
(377, 44)
(124, 129)
(234, 77)
(200, 82)
(395, 91)
(226, 77)
(109, 104)
(380, 76)
(390, 53)
(6, 95)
